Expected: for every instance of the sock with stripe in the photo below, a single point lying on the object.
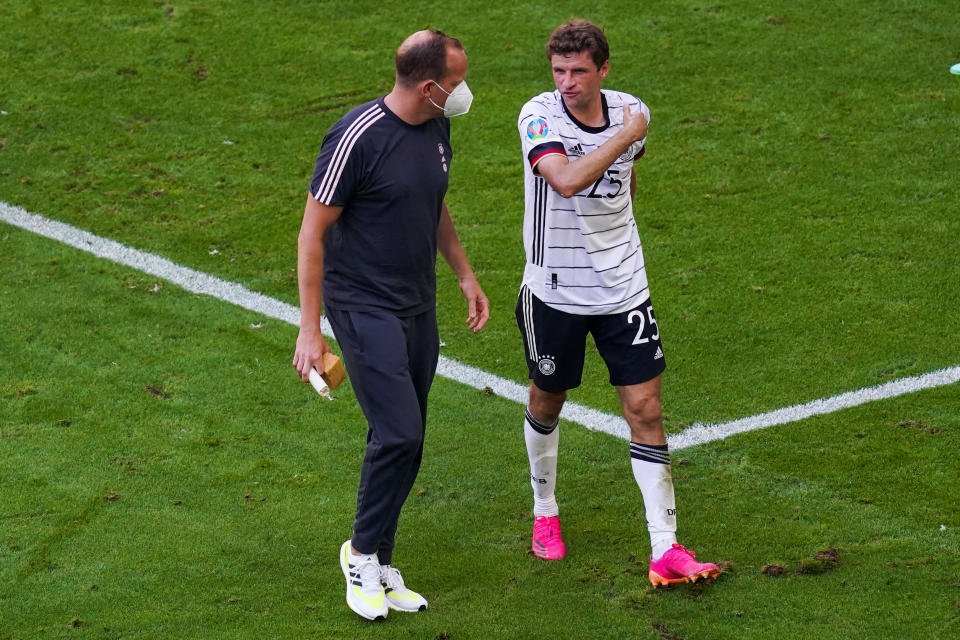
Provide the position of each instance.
(651, 470)
(542, 445)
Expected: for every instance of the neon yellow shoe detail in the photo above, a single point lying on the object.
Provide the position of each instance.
(398, 596)
(365, 595)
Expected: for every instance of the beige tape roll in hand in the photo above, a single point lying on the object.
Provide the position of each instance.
(333, 374)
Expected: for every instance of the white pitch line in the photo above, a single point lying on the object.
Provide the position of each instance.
(701, 433)
(593, 419)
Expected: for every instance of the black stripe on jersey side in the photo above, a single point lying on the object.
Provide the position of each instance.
(589, 252)
(544, 197)
(625, 258)
(602, 286)
(619, 226)
(594, 215)
(537, 224)
(558, 266)
(542, 217)
(535, 248)
(608, 248)
(557, 303)
(544, 148)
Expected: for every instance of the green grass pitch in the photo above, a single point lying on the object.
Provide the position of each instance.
(163, 474)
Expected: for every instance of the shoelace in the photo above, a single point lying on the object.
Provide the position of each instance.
(680, 547)
(369, 572)
(545, 528)
(391, 578)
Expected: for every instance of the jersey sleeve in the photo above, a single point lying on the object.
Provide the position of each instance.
(339, 167)
(539, 136)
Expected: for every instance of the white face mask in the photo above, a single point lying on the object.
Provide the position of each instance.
(458, 100)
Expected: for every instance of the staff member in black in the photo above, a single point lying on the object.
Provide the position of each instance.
(374, 220)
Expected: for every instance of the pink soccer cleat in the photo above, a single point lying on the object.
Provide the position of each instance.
(547, 543)
(678, 565)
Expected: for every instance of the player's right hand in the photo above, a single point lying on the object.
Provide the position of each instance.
(311, 345)
(634, 123)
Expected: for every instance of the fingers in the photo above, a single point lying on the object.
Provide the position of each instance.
(479, 313)
(309, 354)
(471, 312)
(484, 315)
(636, 121)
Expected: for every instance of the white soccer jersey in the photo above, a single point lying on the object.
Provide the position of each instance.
(583, 253)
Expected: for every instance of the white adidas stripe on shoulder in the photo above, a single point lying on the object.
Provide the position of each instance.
(339, 160)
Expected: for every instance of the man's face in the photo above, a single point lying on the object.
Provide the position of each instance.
(456, 72)
(577, 78)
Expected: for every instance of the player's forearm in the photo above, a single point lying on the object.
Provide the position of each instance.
(310, 282)
(573, 177)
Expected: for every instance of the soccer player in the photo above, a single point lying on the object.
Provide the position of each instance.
(585, 274)
(374, 220)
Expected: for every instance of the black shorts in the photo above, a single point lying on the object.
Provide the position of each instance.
(555, 342)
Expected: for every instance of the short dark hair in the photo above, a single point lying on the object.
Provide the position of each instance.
(426, 60)
(575, 36)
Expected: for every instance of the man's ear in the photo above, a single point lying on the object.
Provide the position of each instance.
(604, 69)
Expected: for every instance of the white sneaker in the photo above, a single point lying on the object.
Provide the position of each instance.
(364, 592)
(398, 596)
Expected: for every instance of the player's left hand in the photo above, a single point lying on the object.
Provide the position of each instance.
(478, 307)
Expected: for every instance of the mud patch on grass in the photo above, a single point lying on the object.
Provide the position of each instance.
(823, 562)
(158, 392)
(919, 426)
(665, 633)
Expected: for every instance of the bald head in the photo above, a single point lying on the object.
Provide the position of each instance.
(423, 56)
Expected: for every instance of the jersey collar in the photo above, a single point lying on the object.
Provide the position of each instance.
(587, 128)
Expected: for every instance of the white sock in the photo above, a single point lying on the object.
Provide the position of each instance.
(542, 444)
(651, 470)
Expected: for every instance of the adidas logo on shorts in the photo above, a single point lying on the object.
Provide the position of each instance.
(658, 354)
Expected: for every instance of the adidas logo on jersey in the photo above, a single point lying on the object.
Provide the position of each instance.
(577, 150)
(658, 354)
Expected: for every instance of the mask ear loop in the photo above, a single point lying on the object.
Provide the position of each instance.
(437, 84)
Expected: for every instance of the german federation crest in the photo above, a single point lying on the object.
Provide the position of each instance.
(546, 365)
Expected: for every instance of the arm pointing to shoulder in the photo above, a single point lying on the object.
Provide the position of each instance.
(568, 178)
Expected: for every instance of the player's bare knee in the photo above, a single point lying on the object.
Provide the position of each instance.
(644, 412)
(544, 405)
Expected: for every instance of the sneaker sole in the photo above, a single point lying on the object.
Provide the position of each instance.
(542, 553)
(547, 556)
(346, 576)
(659, 581)
(394, 607)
